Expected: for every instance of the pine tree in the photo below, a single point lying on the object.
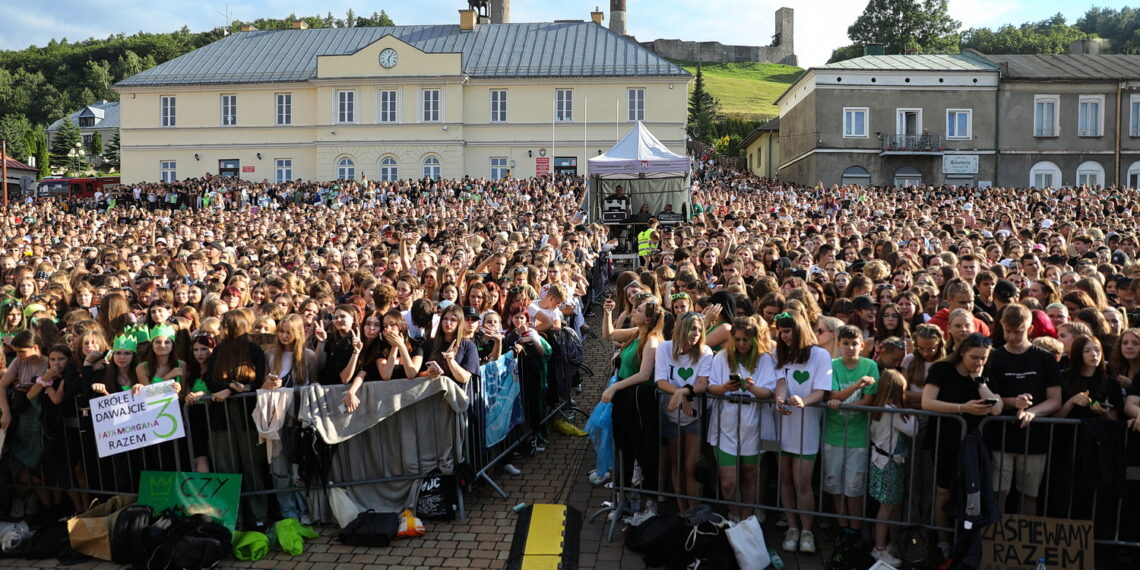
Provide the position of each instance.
(96, 149)
(43, 158)
(111, 153)
(703, 109)
(66, 148)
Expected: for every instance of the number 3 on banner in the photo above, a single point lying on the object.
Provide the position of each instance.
(162, 414)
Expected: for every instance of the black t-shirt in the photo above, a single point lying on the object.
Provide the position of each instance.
(1031, 372)
(1100, 390)
(337, 355)
(953, 388)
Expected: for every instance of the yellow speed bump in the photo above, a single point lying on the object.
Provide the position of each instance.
(546, 536)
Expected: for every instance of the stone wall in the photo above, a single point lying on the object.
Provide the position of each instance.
(782, 49)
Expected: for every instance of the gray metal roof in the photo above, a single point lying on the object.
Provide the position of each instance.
(108, 109)
(954, 62)
(559, 49)
(1069, 67)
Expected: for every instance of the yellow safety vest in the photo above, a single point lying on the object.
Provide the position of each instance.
(643, 247)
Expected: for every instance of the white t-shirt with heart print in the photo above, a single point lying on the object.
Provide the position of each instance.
(678, 372)
(800, 431)
(737, 429)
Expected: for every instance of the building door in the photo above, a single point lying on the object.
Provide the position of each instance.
(908, 176)
(229, 167)
(1134, 179)
(909, 122)
(565, 166)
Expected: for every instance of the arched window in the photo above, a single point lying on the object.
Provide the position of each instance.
(856, 175)
(389, 172)
(345, 168)
(431, 168)
(908, 176)
(1134, 175)
(1044, 174)
(1091, 173)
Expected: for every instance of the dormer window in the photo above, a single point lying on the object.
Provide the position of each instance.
(86, 122)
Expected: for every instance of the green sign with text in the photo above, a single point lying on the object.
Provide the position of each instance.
(214, 494)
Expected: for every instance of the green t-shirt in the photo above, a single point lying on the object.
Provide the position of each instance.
(629, 365)
(846, 428)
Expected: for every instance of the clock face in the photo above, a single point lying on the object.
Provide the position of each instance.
(389, 57)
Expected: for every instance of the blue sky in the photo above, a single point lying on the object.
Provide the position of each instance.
(821, 25)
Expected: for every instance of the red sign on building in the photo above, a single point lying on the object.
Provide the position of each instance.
(542, 166)
(247, 169)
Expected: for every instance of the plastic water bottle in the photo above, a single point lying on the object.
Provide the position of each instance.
(1040, 565)
(774, 557)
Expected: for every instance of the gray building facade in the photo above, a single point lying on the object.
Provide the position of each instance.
(1009, 120)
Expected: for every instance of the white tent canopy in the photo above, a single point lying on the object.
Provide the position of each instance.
(638, 155)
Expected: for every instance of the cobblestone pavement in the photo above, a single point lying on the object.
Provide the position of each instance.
(557, 475)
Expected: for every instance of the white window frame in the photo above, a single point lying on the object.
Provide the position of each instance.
(283, 108)
(432, 167)
(1134, 116)
(1040, 131)
(564, 105)
(345, 106)
(851, 112)
(900, 120)
(345, 168)
(1042, 168)
(500, 165)
(635, 104)
(1096, 129)
(950, 115)
(168, 111)
(1093, 169)
(498, 99)
(389, 106)
(389, 169)
(431, 110)
(168, 170)
(229, 109)
(283, 170)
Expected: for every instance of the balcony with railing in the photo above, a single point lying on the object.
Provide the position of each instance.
(912, 144)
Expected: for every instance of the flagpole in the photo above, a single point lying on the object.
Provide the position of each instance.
(553, 119)
(585, 133)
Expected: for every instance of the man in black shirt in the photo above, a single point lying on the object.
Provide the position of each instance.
(1028, 380)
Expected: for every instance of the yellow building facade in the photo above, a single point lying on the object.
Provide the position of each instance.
(397, 103)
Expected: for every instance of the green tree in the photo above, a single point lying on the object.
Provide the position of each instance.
(15, 129)
(96, 146)
(703, 109)
(898, 23)
(1049, 36)
(111, 152)
(65, 148)
(43, 158)
(845, 53)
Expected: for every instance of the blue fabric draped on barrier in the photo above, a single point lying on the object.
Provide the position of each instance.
(502, 399)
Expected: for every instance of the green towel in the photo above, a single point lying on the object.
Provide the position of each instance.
(292, 534)
(250, 546)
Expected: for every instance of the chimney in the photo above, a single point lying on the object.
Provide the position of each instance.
(597, 16)
(1090, 46)
(500, 11)
(467, 20)
(617, 17)
(248, 28)
(299, 25)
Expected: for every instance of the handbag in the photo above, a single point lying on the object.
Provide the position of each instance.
(371, 528)
(747, 540)
(90, 532)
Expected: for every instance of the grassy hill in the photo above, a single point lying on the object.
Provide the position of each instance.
(746, 90)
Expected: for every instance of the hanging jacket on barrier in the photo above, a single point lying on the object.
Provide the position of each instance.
(972, 498)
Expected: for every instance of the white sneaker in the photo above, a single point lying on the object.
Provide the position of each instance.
(17, 511)
(596, 479)
(792, 540)
(807, 542)
(884, 555)
(33, 506)
(944, 548)
(511, 469)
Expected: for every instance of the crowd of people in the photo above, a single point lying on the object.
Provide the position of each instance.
(961, 301)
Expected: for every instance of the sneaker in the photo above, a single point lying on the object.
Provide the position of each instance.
(944, 548)
(596, 479)
(636, 519)
(566, 428)
(17, 511)
(636, 476)
(511, 469)
(33, 506)
(884, 555)
(807, 542)
(650, 507)
(792, 540)
(783, 521)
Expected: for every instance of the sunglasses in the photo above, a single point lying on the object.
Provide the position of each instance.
(676, 296)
